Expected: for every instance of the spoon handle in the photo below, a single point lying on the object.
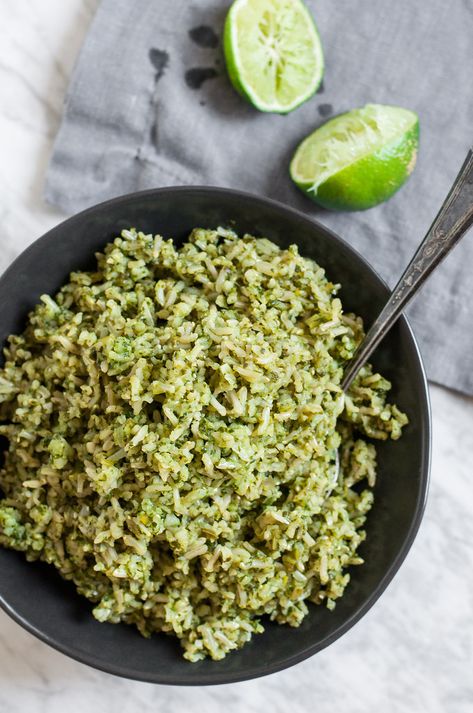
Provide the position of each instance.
(452, 222)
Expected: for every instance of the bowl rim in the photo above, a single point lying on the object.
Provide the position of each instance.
(214, 678)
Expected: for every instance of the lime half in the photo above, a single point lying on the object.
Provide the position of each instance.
(273, 53)
(358, 159)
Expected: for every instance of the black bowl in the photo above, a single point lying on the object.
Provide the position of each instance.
(34, 594)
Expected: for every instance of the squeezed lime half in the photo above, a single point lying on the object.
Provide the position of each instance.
(358, 159)
(273, 53)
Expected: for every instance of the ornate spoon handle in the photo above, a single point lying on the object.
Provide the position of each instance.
(452, 222)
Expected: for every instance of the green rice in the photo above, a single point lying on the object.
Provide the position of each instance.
(173, 421)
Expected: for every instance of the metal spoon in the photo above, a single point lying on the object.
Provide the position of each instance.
(452, 222)
(454, 219)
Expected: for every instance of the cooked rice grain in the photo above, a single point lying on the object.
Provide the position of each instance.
(173, 420)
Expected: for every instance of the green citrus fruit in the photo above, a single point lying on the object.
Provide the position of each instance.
(273, 53)
(358, 159)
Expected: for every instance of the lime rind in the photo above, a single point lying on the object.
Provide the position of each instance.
(249, 80)
(347, 138)
(373, 179)
(358, 159)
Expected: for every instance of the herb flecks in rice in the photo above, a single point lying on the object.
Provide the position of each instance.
(173, 420)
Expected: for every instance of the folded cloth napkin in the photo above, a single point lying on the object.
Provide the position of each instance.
(150, 104)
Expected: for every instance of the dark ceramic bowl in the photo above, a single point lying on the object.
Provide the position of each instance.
(34, 594)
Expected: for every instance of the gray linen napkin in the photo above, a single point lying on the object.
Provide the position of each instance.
(149, 104)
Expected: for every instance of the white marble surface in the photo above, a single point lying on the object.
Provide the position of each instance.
(412, 653)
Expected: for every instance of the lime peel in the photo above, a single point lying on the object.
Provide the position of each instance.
(357, 159)
(273, 53)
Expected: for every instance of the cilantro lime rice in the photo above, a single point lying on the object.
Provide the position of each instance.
(173, 421)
